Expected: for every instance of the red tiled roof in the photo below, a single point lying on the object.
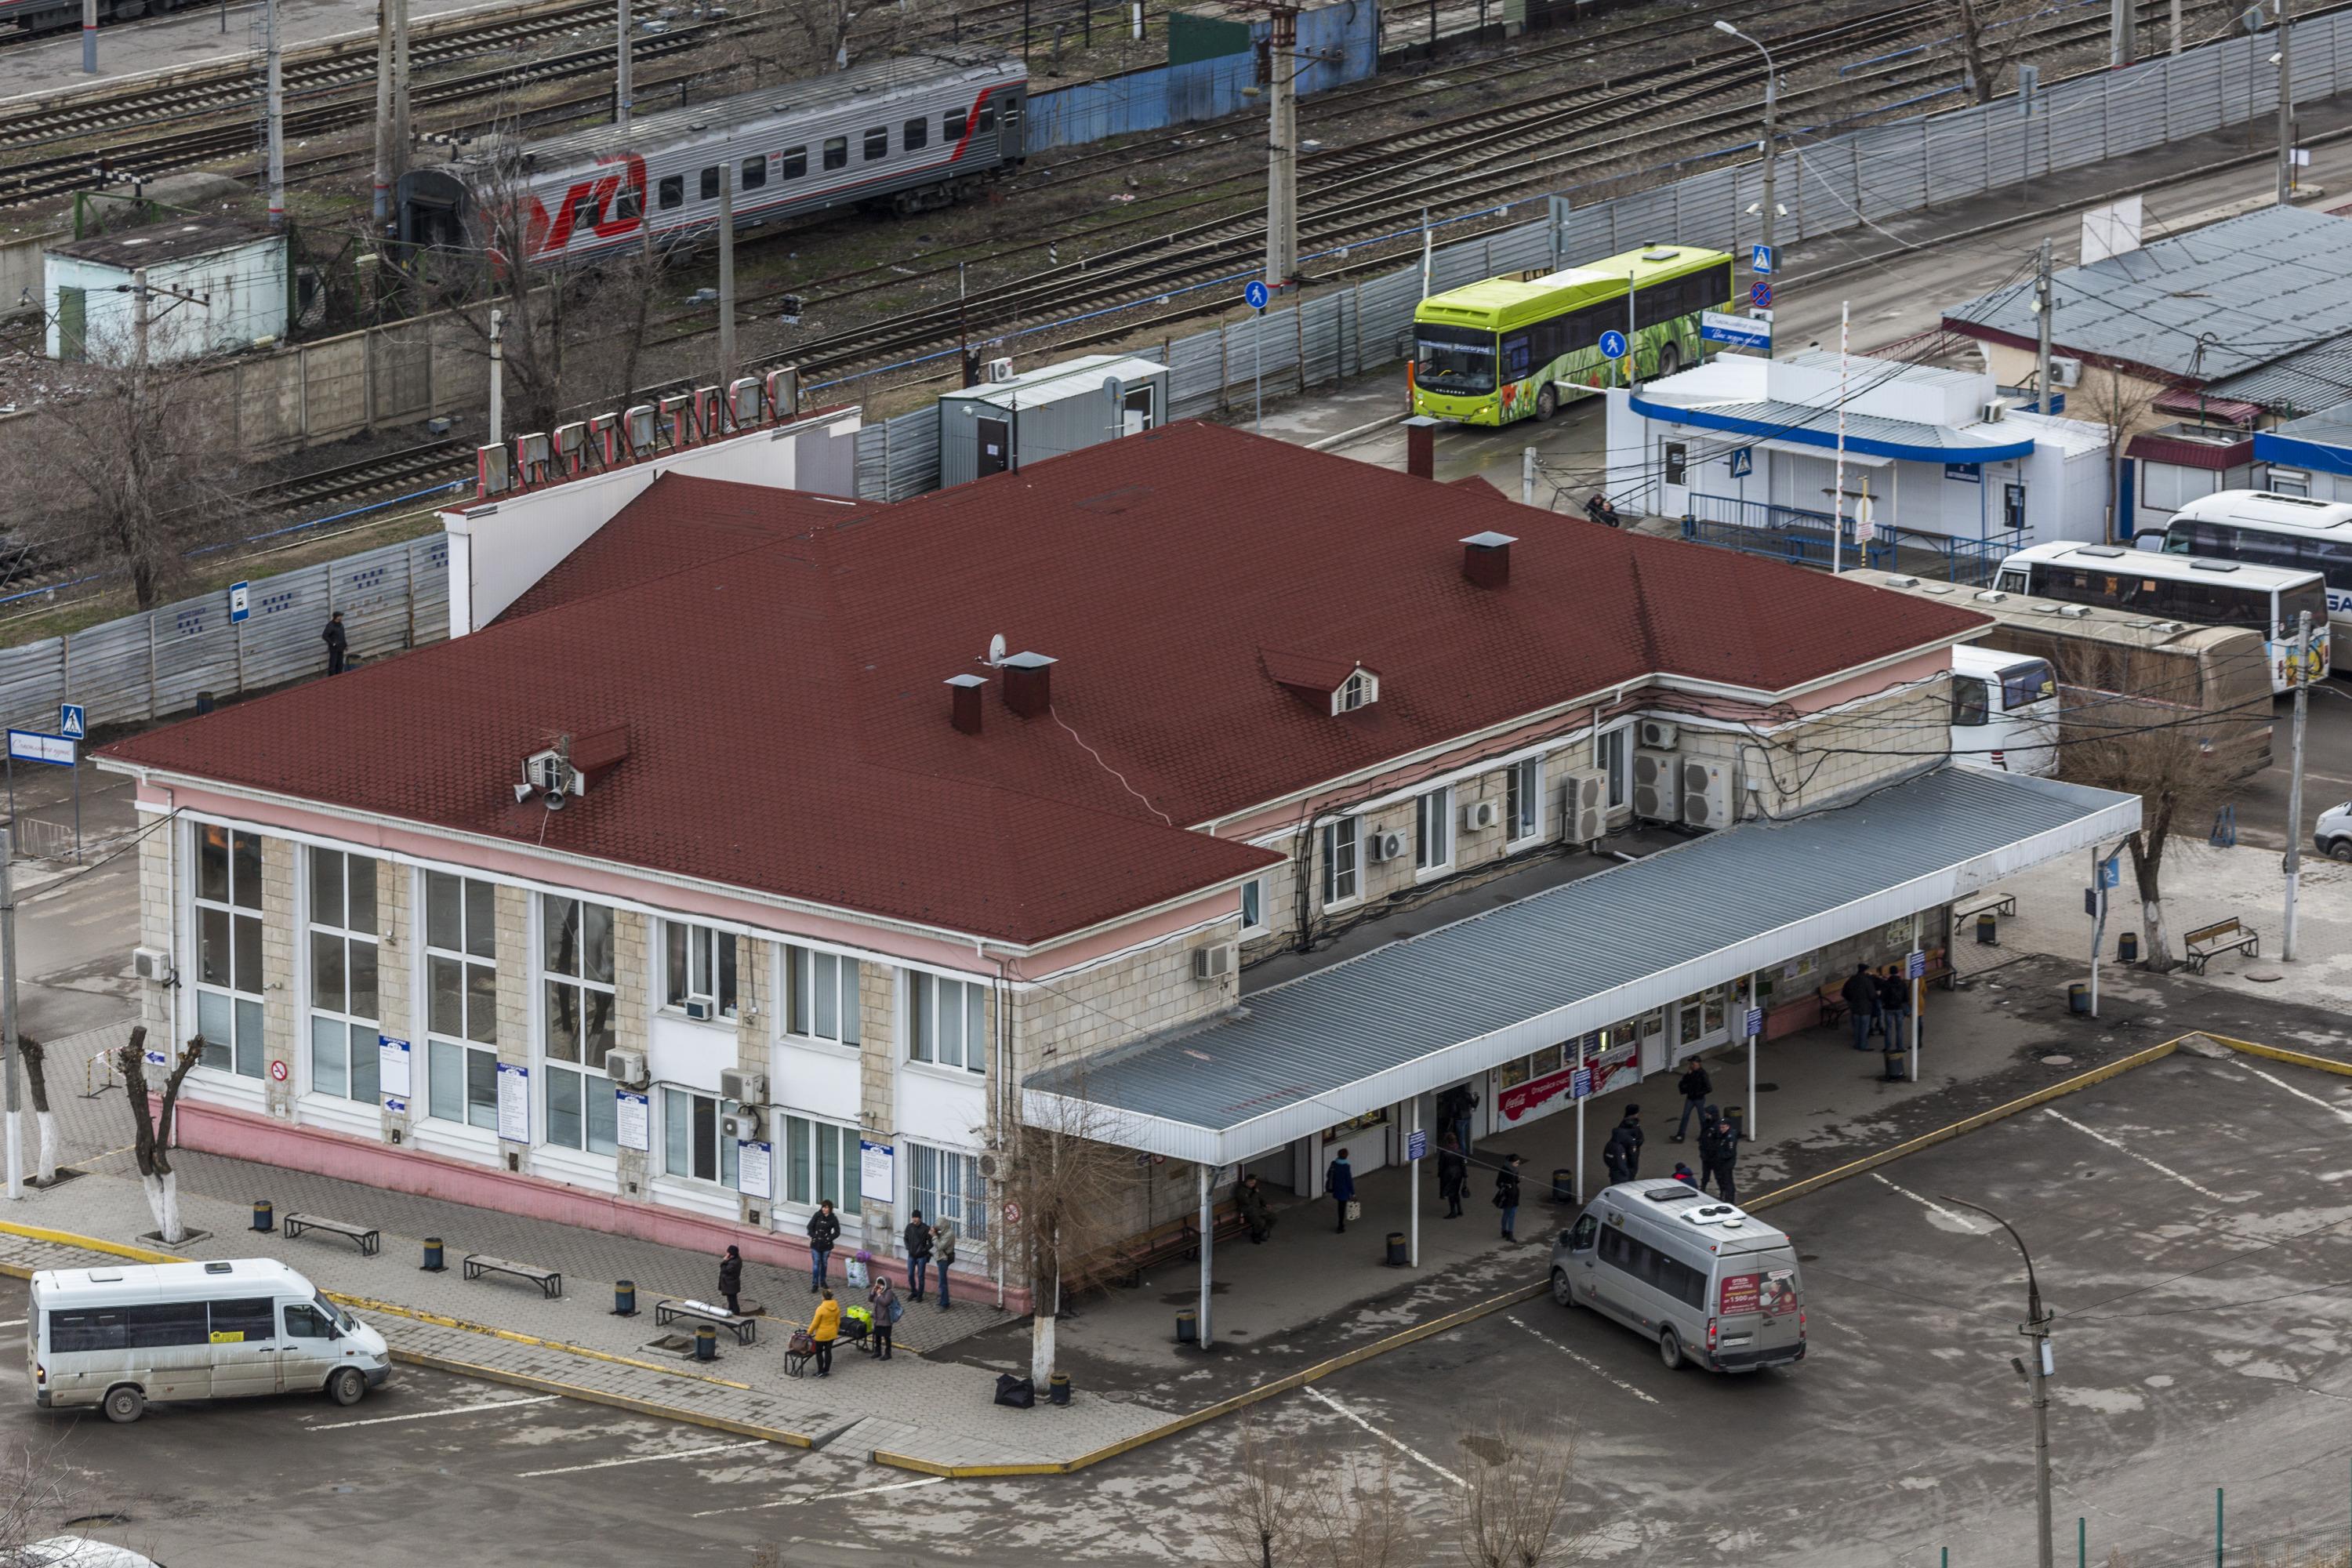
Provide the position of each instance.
(788, 733)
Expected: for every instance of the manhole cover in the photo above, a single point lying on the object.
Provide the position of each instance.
(2264, 977)
(2057, 1061)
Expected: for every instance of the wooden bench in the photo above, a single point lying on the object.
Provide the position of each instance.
(549, 1280)
(370, 1242)
(1166, 1243)
(2222, 936)
(742, 1325)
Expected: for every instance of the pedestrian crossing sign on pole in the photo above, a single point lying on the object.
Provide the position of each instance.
(73, 722)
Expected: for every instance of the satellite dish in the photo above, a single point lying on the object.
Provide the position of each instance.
(996, 649)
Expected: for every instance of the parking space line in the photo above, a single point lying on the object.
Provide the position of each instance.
(1417, 1457)
(1963, 1221)
(646, 1459)
(1589, 1365)
(2336, 1110)
(819, 1497)
(2133, 1153)
(430, 1414)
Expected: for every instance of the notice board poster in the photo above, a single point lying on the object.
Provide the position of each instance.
(514, 1103)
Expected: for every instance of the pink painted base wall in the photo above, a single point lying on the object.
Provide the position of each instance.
(214, 1130)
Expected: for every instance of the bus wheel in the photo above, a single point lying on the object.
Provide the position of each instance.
(125, 1404)
(1670, 1350)
(1670, 360)
(1547, 401)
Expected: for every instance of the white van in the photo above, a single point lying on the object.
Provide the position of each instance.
(2004, 711)
(119, 1337)
(1710, 1283)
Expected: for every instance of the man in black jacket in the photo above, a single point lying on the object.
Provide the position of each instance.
(1453, 1177)
(823, 1230)
(731, 1279)
(337, 643)
(916, 1240)
(1860, 995)
(1629, 1129)
(1718, 1150)
(1696, 1087)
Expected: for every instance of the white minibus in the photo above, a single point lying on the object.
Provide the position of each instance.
(1713, 1285)
(120, 1337)
(2005, 711)
(2270, 530)
(2197, 589)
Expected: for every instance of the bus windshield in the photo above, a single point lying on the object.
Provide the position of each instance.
(1455, 360)
(2023, 685)
(2293, 602)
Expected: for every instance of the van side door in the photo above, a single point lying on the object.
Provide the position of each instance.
(308, 1350)
(244, 1338)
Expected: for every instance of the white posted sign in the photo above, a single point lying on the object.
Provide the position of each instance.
(514, 1103)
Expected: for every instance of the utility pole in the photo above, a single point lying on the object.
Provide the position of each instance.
(8, 1002)
(1528, 477)
(2176, 27)
(383, 113)
(963, 334)
(139, 320)
(2123, 33)
(2285, 108)
(89, 68)
(2038, 1372)
(2294, 865)
(399, 88)
(1282, 148)
(725, 272)
(623, 90)
(2042, 328)
(1837, 485)
(497, 376)
(1771, 209)
(276, 108)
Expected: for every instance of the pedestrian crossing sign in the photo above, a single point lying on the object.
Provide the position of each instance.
(73, 721)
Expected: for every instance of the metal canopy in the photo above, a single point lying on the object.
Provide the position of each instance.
(1430, 1010)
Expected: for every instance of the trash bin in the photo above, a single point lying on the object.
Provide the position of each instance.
(1057, 1388)
(1188, 1327)
(706, 1342)
(1896, 1059)
(432, 1264)
(2078, 997)
(2127, 948)
(1987, 928)
(264, 1215)
(1563, 1187)
(625, 1298)
(1397, 1257)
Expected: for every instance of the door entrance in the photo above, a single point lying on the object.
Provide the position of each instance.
(995, 446)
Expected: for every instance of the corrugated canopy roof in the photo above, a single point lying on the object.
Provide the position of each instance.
(1426, 1011)
(1870, 434)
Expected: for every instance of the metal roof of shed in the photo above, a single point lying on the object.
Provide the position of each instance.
(1429, 1010)
(1874, 435)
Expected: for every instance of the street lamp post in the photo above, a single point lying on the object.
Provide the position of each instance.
(2037, 1376)
(1771, 112)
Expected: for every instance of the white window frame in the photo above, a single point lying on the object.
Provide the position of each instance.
(924, 1041)
(1617, 770)
(439, 1044)
(2290, 482)
(699, 964)
(802, 1165)
(723, 1150)
(354, 1032)
(575, 1085)
(810, 974)
(1360, 690)
(240, 924)
(1432, 831)
(1253, 892)
(972, 1195)
(1341, 888)
(1523, 799)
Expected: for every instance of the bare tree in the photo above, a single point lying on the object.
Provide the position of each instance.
(1262, 1511)
(33, 1496)
(1508, 1511)
(2180, 780)
(2117, 405)
(1273, 1515)
(824, 26)
(1991, 34)
(1362, 1521)
(34, 1056)
(1073, 1186)
(153, 1144)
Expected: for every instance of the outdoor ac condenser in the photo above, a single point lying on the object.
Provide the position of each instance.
(1707, 794)
(1657, 786)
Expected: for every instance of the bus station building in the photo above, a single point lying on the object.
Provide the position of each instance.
(1104, 784)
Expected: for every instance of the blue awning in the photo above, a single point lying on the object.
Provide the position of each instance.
(1430, 1010)
(1804, 425)
(2321, 442)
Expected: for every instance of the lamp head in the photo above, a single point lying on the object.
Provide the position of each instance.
(1723, 26)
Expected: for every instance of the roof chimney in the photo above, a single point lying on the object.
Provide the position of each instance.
(1487, 559)
(967, 691)
(1420, 447)
(1028, 683)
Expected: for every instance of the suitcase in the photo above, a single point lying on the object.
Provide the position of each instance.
(1018, 1392)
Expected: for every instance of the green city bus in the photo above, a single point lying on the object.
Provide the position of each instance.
(1511, 348)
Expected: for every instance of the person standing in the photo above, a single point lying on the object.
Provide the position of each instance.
(916, 1239)
(823, 1230)
(1696, 1087)
(1895, 1006)
(1860, 995)
(1465, 1106)
(1615, 1158)
(338, 641)
(882, 1299)
(1710, 1145)
(823, 1328)
(1727, 1139)
(943, 1240)
(1339, 1181)
(1255, 1213)
(1629, 1129)
(1453, 1177)
(1507, 1196)
(730, 1280)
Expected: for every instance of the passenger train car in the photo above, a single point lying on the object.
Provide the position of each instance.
(917, 131)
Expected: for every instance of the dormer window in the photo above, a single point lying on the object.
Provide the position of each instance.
(1360, 690)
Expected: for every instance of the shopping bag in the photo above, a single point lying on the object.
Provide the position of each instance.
(1355, 1209)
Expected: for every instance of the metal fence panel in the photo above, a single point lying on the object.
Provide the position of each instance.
(107, 669)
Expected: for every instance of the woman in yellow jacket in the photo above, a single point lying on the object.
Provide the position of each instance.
(823, 1328)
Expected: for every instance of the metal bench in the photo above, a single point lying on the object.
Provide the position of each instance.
(2230, 935)
(1968, 909)
(549, 1280)
(369, 1241)
(745, 1328)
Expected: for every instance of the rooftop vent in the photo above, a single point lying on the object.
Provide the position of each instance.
(1903, 582)
(2198, 565)
(1028, 683)
(969, 689)
(1487, 559)
(2100, 550)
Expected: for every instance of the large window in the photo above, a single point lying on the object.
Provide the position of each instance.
(343, 1010)
(576, 961)
(228, 948)
(821, 996)
(461, 970)
(1523, 799)
(1340, 849)
(693, 1144)
(942, 1182)
(701, 966)
(820, 1162)
(950, 1022)
(1433, 830)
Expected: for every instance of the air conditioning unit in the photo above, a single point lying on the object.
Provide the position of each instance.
(152, 964)
(1000, 369)
(627, 1068)
(1588, 800)
(1384, 846)
(743, 1126)
(1654, 734)
(1993, 413)
(1211, 962)
(988, 1166)
(2065, 371)
(743, 1088)
(1657, 786)
(1707, 794)
(701, 1009)
(1479, 816)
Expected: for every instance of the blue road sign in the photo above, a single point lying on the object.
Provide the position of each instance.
(73, 722)
(1416, 1145)
(1612, 345)
(1914, 966)
(1257, 294)
(1755, 1021)
(1759, 294)
(240, 601)
(2111, 871)
(1743, 462)
(1762, 259)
